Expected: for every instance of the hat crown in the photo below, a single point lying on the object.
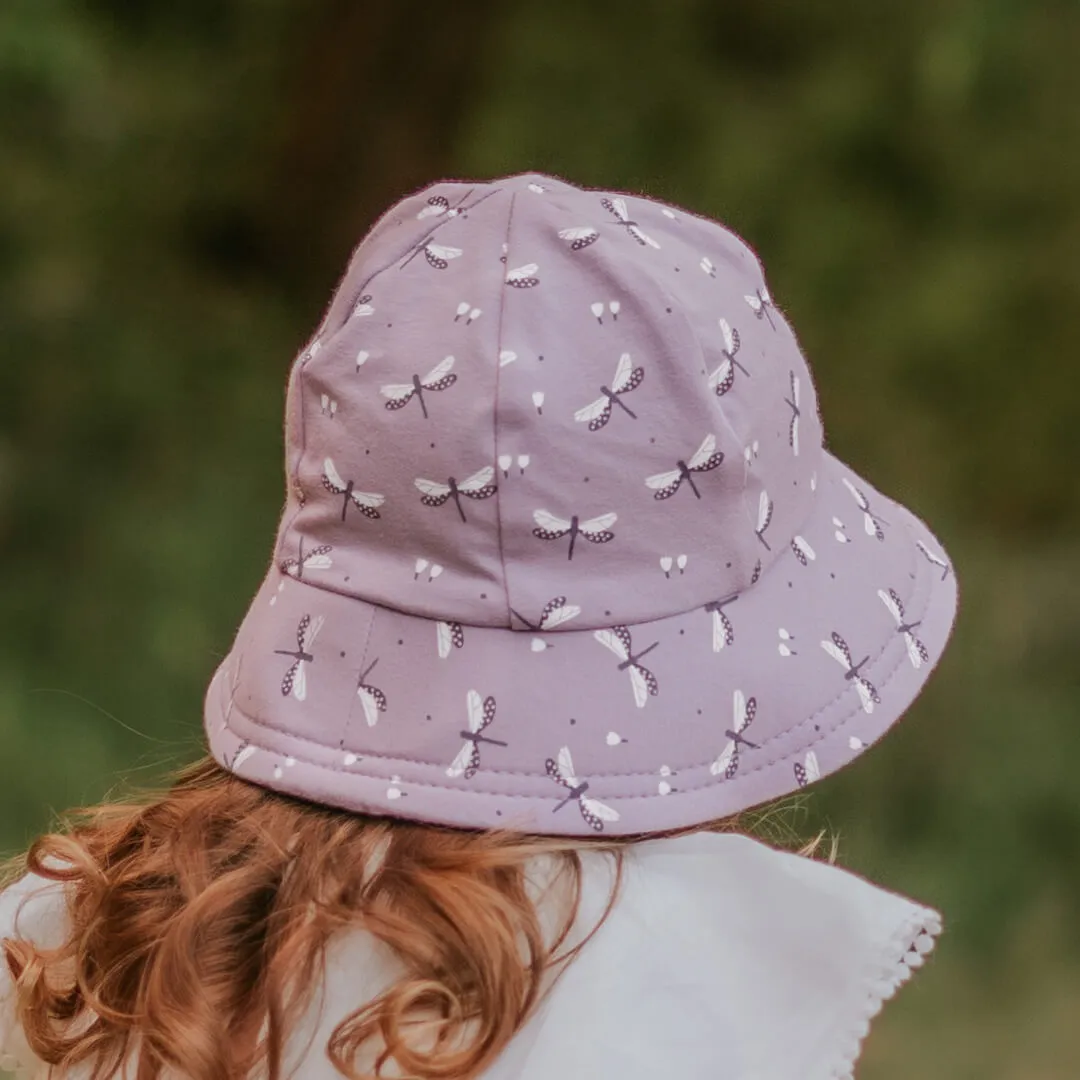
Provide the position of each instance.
(526, 392)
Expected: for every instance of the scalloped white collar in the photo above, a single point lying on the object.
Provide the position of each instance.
(722, 959)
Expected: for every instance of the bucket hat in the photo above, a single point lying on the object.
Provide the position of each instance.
(563, 550)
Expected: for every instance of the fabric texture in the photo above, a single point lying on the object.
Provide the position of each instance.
(563, 550)
(722, 959)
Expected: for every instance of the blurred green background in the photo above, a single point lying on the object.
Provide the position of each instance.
(181, 184)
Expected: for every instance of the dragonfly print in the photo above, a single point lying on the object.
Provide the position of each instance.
(808, 770)
(367, 502)
(723, 378)
(793, 403)
(449, 635)
(594, 813)
(617, 207)
(764, 518)
(440, 377)
(596, 530)
(642, 680)
(318, 558)
(295, 680)
(723, 631)
(871, 521)
(745, 710)
(556, 612)
(523, 277)
(477, 486)
(935, 560)
(704, 459)
(916, 650)
(371, 697)
(481, 715)
(439, 206)
(597, 413)
(838, 649)
(760, 301)
(580, 236)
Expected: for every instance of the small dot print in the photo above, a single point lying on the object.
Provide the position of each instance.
(342, 654)
(498, 813)
(607, 612)
(572, 721)
(817, 727)
(483, 596)
(389, 326)
(367, 451)
(428, 717)
(727, 565)
(401, 641)
(346, 577)
(699, 712)
(668, 310)
(432, 446)
(832, 575)
(584, 479)
(540, 357)
(653, 439)
(676, 269)
(682, 631)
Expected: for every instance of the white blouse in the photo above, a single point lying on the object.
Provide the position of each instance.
(722, 959)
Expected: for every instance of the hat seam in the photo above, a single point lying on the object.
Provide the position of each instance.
(740, 776)
(495, 414)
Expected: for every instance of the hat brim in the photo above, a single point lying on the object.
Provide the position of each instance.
(393, 738)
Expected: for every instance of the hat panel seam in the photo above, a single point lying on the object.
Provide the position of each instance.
(495, 412)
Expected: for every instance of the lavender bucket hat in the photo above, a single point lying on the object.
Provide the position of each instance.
(563, 551)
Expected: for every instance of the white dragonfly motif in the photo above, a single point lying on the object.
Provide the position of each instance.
(598, 412)
(723, 378)
(642, 680)
(367, 502)
(808, 770)
(745, 709)
(594, 812)
(295, 680)
(622, 216)
(936, 560)
(760, 301)
(243, 753)
(704, 459)
(838, 649)
(596, 530)
(793, 402)
(440, 377)
(481, 714)
(916, 650)
(723, 631)
(477, 486)
(556, 612)
(317, 558)
(871, 521)
(438, 205)
(438, 256)
(803, 551)
(579, 236)
(765, 512)
(449, 635)
(371, 697)
(523, 277)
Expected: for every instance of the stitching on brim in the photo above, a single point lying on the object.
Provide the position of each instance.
(712, 781)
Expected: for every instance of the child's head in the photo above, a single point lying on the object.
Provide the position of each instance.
(563, 561)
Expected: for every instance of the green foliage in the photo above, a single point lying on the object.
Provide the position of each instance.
(180, 185)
